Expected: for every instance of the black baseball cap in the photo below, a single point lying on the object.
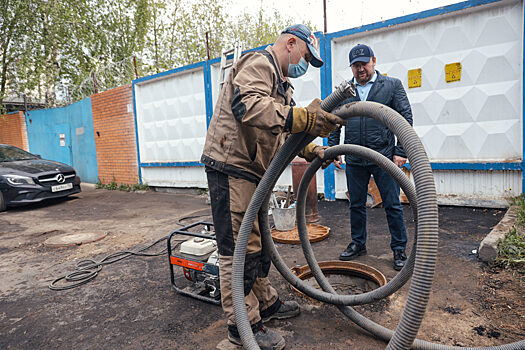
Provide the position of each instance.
(360, 53)
(304, 33)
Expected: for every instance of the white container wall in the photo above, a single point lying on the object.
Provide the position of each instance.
(171, 127)
(474, 120)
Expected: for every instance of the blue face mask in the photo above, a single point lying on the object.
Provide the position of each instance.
(296, 70)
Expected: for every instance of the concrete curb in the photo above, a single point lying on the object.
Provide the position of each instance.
(86, 186)
(488, 249)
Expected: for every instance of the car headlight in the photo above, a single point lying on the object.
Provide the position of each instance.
(17, 180)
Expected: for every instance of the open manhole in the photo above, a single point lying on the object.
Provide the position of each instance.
(72, 239)
(346, 277)
(316, 233)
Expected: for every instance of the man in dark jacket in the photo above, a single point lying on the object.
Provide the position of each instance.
(372, 86)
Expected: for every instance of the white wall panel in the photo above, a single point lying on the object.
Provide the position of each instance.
(480, 183)
(475, 119)
(175, 176)
(171, 117)
(478, 119)
(215, 75)
(307, 87)
(464, 187)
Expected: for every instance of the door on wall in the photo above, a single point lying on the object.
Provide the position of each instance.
(83, 148)
(62, 143)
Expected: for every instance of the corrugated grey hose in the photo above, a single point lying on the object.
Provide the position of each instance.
(291, 147)
(409, 189)
(427, 217)
(328, 296)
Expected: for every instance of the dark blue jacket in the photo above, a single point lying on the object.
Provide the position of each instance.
(371, 133)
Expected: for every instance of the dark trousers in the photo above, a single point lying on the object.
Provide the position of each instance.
(230, 198)
(357, 178)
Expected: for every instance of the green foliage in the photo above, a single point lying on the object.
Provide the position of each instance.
(520, 203)
(178, 33)
(15, 27)
(261, 29)
(122, 187)
(140, 187)
(52, 48)
(179, 38)
(48, 45)
(99, 183)
(512, 247)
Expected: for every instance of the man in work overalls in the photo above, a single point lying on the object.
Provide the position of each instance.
(254, 114)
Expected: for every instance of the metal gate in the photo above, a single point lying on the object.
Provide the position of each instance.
(66, 135)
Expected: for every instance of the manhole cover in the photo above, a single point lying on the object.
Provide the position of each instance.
(316, 233)
(346, 277)
(72, 239)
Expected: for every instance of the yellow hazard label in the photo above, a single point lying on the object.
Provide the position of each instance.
(453, 72)
(414, 78)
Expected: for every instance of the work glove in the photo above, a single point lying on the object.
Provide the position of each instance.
(314, 121)
(311, 151)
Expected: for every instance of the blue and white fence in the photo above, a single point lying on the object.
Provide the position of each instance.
(472, 128)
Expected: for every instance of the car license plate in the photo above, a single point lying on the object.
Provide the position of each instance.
(62, 187)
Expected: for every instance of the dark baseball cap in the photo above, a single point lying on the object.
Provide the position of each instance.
(360, 53)
(304, 33)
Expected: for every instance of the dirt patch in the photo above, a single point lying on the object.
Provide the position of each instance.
(500, 294)
(131, 303)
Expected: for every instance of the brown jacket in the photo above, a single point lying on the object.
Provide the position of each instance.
(246, 129)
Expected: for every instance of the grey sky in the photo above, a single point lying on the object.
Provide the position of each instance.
(341, 14)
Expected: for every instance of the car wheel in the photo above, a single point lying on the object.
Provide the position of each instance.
(2, 202)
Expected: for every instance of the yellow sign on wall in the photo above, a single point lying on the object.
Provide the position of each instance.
(414, 78)
(453, 72)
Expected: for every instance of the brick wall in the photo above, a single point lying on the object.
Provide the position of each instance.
(13, 130)
(115, 140)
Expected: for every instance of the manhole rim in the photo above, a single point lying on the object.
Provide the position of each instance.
(312, 238)
(90, 237)
(351, 268)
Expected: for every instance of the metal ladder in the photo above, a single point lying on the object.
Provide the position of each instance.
(225, 63)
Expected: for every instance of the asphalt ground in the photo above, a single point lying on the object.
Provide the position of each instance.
(131, 304)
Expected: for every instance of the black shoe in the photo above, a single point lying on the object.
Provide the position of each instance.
(287, 309)
(352, 251)
(265, 338)
(400, 259)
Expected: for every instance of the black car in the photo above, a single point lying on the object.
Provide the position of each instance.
(26, 178)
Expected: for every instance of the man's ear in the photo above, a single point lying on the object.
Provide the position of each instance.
(374, 59)
(290, 43)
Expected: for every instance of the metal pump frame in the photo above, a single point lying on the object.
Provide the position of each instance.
(186, 262)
